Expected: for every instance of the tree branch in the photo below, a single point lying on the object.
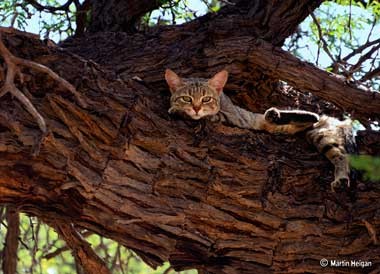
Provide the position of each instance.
(208, 54)
(370, 74)
(224, 200)
(321, 39)
(120, 15)
(58, 251)
(81, 16)
(11, 241)
(360, 49)
(9, 85)
(363, 58)
(51, 9)
(86, 256)
(362, 103)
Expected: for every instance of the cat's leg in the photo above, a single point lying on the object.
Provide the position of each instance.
(284, 129)
(295, 116)
(331, 137)
(339, 158)
(288, 121)
(272, 115)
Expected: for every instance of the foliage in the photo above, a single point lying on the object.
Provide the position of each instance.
(333, 39)
(41, 251)
(369, 164)
(20, 14)
(60, 24)
(178, 12)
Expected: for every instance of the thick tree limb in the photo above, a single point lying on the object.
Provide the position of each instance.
(304, 76)
(82, 251)
(11, 241)
(239, 37)
(220, 199)
(242, 56)
(276, 22)
(119, 15)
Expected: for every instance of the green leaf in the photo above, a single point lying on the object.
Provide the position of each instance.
(369, 164)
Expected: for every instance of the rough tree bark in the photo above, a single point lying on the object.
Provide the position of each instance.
(119, 15)
(199, 195)
(11, 241)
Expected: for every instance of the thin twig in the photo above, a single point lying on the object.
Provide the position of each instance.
(51, 9)
(349, 21)
(371, 231)
(321, 39)
(372, 27)
(227, 2)
(363, 58)
(64, 248)
(370, 74)
(360, 49)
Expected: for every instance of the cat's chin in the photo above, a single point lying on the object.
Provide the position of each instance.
(196, 117)
(200, 116)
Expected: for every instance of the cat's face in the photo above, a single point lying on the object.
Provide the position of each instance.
(195, 97)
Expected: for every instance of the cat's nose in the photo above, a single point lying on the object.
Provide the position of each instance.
(196, 109)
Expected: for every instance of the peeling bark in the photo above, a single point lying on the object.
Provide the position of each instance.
(211, 43)
(199, 195)
(196, 194)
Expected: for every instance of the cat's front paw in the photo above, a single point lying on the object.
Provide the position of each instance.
(340, 184)
(272, 115)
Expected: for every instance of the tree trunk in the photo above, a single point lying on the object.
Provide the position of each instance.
(119, 15)
(196, 194)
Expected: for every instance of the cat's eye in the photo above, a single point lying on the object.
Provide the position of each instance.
(186, 99)
(206, 99)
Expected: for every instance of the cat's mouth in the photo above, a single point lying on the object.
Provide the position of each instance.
(196, 116)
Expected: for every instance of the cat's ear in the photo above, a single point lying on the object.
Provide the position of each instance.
(173, 80)
(218, 81)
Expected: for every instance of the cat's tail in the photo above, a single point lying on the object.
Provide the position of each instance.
(334, 139)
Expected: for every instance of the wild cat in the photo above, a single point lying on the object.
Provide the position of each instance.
(198, 98)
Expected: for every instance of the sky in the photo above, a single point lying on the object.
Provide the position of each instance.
(308, 49)
(34, 24)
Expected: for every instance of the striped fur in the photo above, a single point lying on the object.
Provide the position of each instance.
(197, 90)
(333, 138)
(330, 135)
